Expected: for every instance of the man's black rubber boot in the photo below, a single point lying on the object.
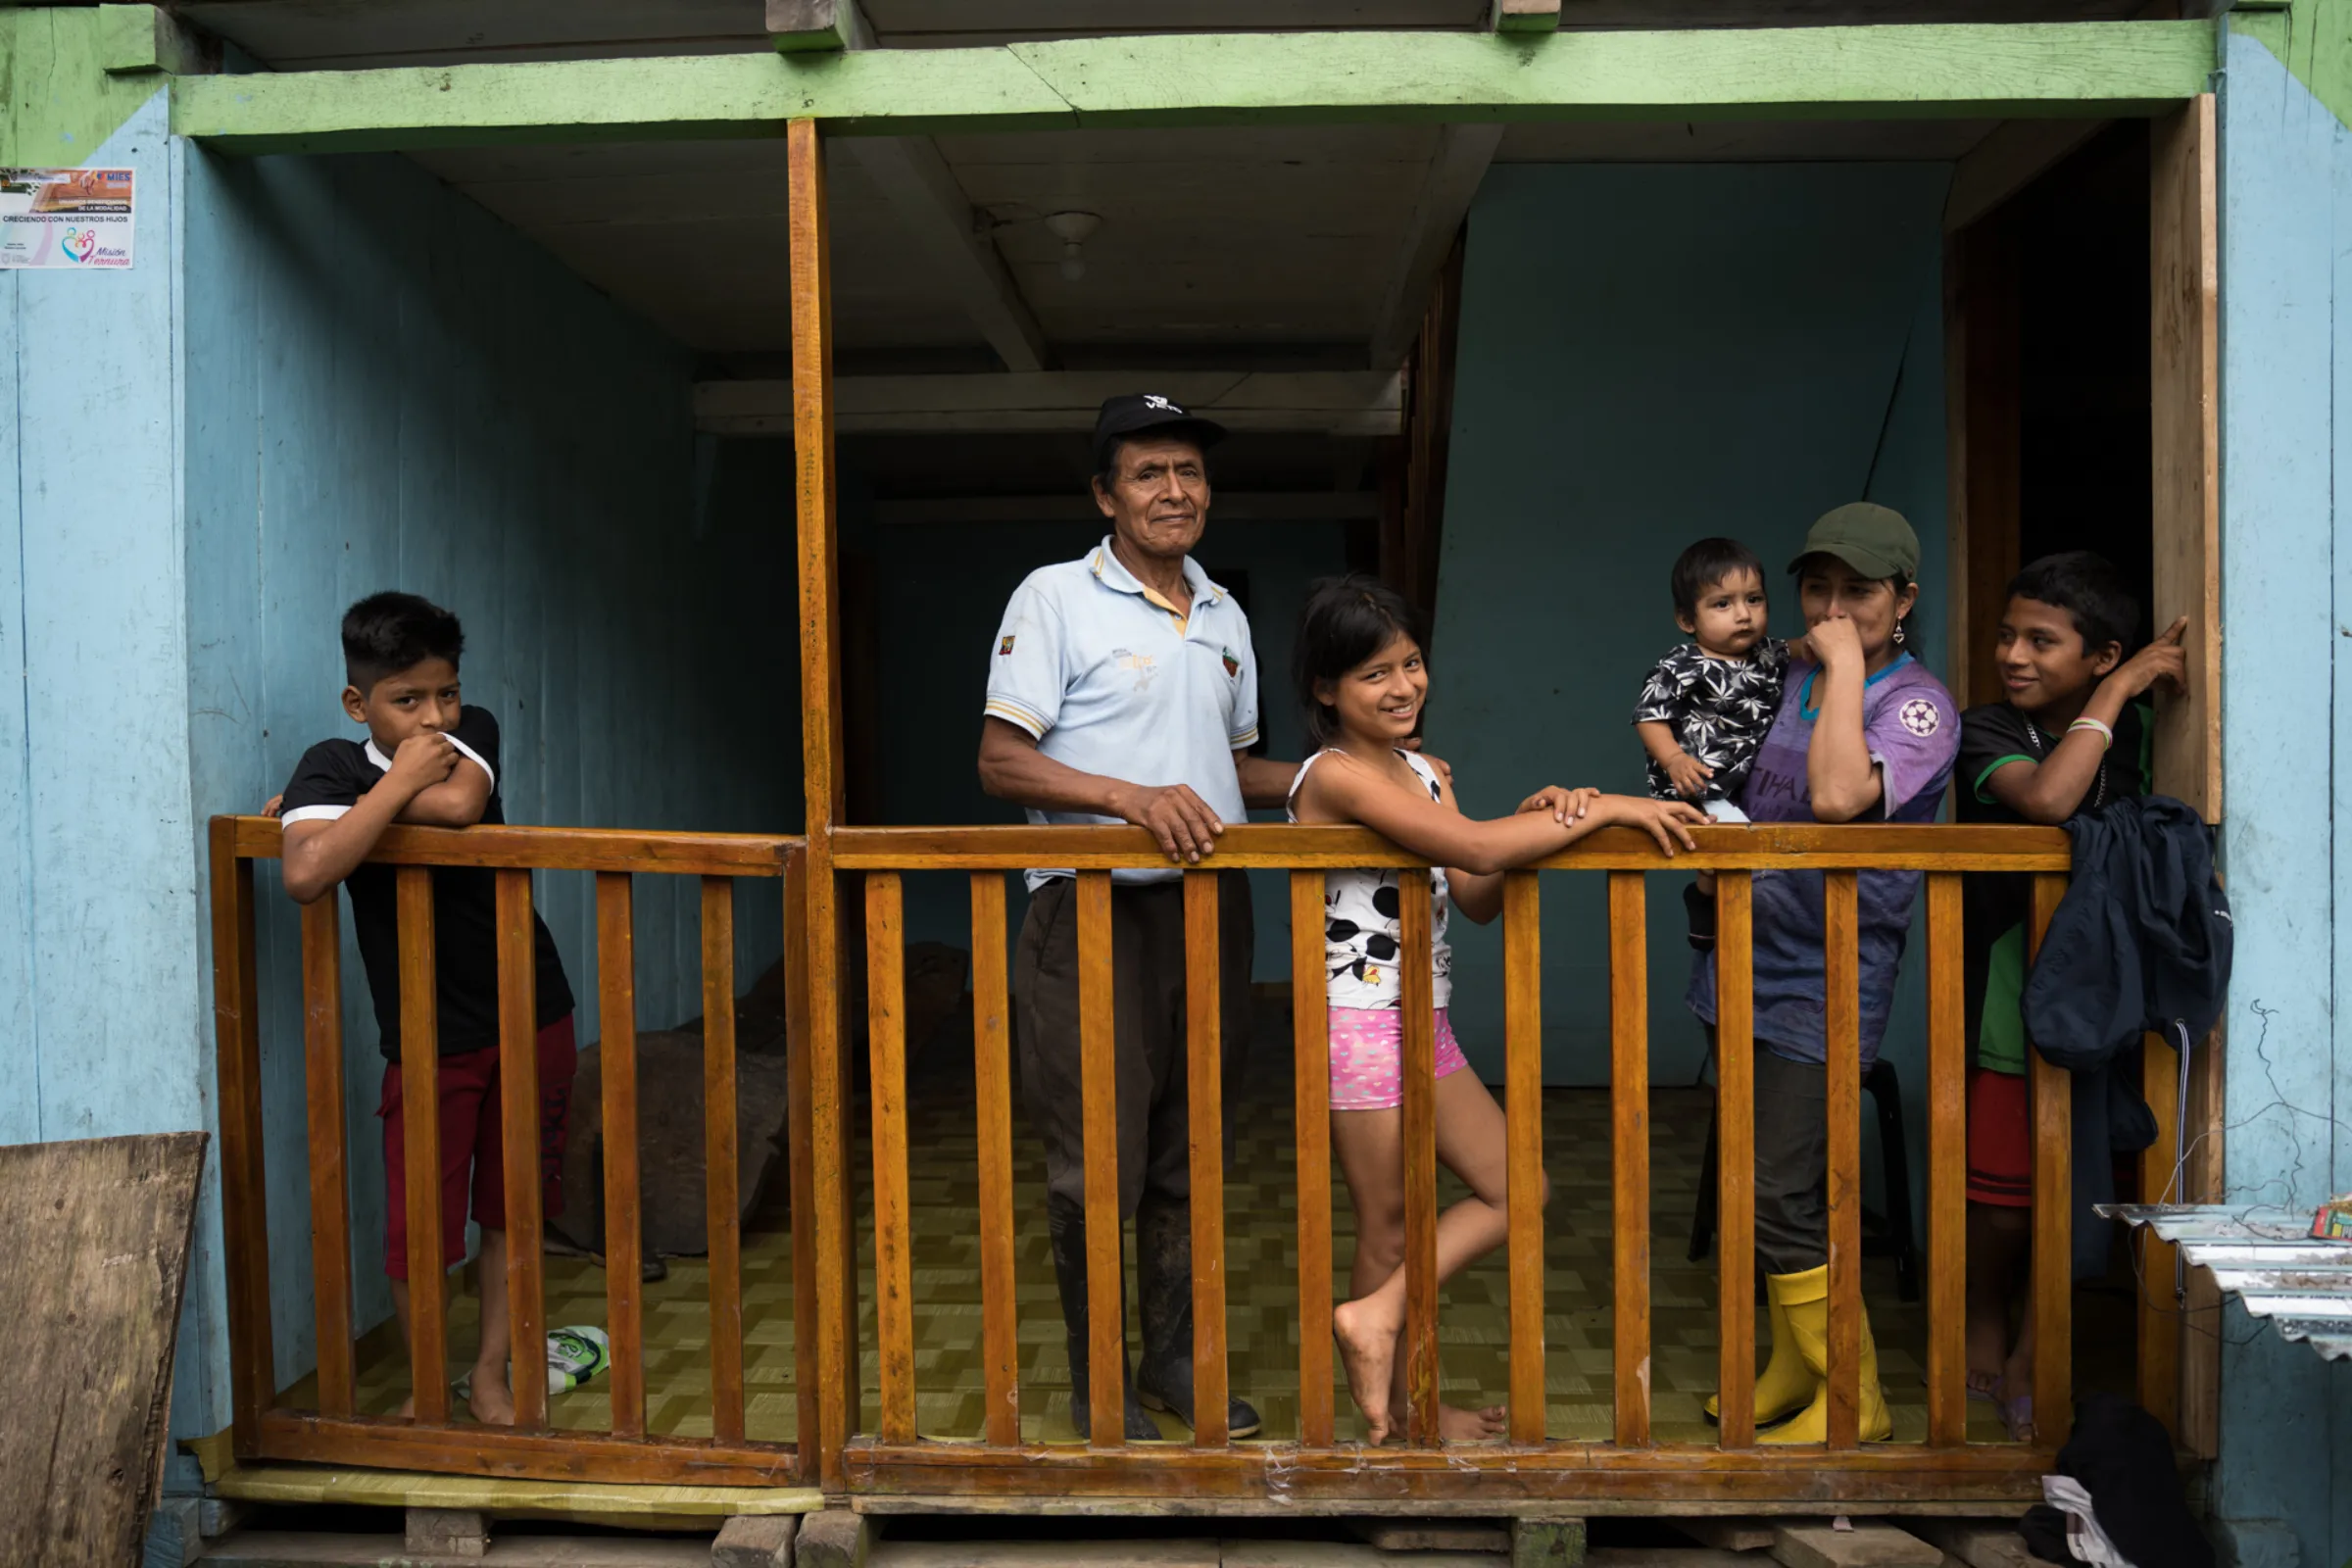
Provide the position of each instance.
(1070, 1274)
(1701, 906)
(1163, 1242)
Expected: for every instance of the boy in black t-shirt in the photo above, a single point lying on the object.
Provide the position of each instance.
(429, 760)
(2070, 737)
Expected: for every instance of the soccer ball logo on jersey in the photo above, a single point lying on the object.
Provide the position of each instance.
(1921, 717)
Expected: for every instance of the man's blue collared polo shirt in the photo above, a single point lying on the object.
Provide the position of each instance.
(1112, 681)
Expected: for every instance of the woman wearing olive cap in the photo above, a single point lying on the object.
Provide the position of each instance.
(1864, 733)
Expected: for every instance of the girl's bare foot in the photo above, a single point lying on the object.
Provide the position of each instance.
(1987, 1346)
(489, 1399)
(1456, 1423)
(408, 1409)
(1367, 1339)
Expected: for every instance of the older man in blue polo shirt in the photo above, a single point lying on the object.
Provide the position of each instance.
(1122, 688)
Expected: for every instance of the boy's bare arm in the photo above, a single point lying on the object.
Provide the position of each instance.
(459, 800)
(316, 857)
(2055, 789)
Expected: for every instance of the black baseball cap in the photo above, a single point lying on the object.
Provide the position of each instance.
(1134, 413)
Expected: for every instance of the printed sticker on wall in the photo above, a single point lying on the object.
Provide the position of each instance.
(73, 219)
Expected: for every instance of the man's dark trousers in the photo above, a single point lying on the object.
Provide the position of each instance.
(1148, 1004)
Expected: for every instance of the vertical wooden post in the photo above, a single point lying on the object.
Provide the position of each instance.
(1842, 1038)
(991, 1097)
(1204, 1086)
(2159, 1313)
(1310, 1110)
(2052, 1305)
(1099, 1088)
(893, 1267)
(519, 1112)
(616, 1016)
(420, 1145)
(1419, 1048)
(330, 1200)
(1983, 434)
(1629, 1146)
(721, 1192)
(244, 1217)
(1523, 1133)
(821, 750)
(1947, 1166)
(1736, 1157)
(801, 1158)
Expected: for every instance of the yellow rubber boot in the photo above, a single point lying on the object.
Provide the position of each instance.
(1786, 1387)
(1805, 1298)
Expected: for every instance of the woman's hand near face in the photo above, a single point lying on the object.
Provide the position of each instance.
(1835, 643)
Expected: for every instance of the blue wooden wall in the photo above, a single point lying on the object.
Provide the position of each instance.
(387, 387)
(2284, 1479)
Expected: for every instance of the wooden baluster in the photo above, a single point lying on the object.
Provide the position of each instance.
(330, 1200)
(1420, 1074)
(617, 1021)
(1310, 1033)
(1105, 1271)
(244, 1216)
(2053, 1229)
(1736, 1158)
(722, 1208)
(420, 1145)
(801, 1159)
(893, 1266)
(1523, 1134)
(1628, 1117)
(1947, 1166)
(1204, 1092)
(519, 1113)
(1841, 962)
(2159, 1311)
(991, 1097)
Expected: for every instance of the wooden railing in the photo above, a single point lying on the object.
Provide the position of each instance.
(1528, 1466)
(336, 1432)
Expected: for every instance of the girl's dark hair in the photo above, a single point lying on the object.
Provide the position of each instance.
(2089, 588)
(1706, 564)
(386, 633)
(1347, 620)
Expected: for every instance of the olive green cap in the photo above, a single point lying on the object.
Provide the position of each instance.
(1872, 539)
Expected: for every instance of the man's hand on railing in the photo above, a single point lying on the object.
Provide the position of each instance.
(1183, 822)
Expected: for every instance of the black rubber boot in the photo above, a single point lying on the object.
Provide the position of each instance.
(1163, 1267)
(1069, 1273)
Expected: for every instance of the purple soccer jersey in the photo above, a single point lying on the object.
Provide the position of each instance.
(1913, 727)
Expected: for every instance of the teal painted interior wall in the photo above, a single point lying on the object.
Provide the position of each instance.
(387, 387)
(2281, 1491)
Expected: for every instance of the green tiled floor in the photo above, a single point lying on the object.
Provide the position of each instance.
(1262, 1264)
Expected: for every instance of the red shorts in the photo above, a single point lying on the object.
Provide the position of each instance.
(2000, 1139)
(474, 1143)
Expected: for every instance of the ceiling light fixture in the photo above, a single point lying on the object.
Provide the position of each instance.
(1073, 230)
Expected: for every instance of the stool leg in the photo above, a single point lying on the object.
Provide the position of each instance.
(1886, 1092)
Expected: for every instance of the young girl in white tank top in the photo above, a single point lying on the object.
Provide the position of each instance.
(1362, 680)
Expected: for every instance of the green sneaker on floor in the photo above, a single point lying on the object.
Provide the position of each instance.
(574, 1355)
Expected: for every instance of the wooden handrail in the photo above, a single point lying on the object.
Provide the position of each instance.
(1266, 845)
(512, 847)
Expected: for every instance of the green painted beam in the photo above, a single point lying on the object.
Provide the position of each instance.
(2101, 69)
(57, 101)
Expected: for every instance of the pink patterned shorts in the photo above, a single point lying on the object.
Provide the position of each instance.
(1367, 1048)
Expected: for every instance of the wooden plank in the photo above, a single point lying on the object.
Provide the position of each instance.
(811, 27)
(1947, 1166)
(2202, 1126)
(2017, 152)
(96, 1260)
(894, 1238)
(616, 1024)
(1735, 1160)
(1866, 1543)
(1310, 1078)
(244, 1217)
(514, 846)
(1447, 186)
(1843, 1039)
(992, 1109)
(1523, 1130)
(830, 1102)
(1757, 846)
(2052, 1091)
(519, 1120)
(801, 1158)
(499, 1451)
(1968, 71)
(1629, 1152)
(2184, 401)
(1418, 1047)
(420, 1145)
(1527, 16)
(1727, 1535)
(1205, 1087)
(722, 1206)
(1983, 433)
(330, 1198)
(1105, 1272)
(2159, 1312)
(937, 218)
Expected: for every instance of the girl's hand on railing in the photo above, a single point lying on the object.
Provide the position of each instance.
(1566, 806)
(1668, 821)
